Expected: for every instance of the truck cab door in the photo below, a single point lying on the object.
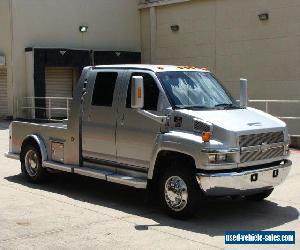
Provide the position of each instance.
(136, 134)
(99, 116)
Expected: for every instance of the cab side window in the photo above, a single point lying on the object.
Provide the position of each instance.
(151, 92)
(104, 89)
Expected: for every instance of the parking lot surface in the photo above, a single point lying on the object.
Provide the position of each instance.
(74, 212)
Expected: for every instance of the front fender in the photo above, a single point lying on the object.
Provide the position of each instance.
(176, 141)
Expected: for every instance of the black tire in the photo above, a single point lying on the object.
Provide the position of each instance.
(260, 196)
(35, 175)
(185, 209)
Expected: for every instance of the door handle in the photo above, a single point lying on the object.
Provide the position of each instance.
(122, 120)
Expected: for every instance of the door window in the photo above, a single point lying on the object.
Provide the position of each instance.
(151, 92)
(104, 89)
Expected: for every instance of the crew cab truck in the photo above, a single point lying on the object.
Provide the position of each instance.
(174, 129)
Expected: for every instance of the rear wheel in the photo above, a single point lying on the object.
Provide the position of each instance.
(260, 196)
(179, 191)
(31, 164)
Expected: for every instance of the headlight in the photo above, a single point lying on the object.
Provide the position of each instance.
(212, 158)
(221, 157)
(217, 158)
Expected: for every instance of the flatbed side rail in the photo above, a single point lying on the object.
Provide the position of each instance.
(57, 108)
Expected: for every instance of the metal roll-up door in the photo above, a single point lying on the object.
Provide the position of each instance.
(59, 83)
(3, 93)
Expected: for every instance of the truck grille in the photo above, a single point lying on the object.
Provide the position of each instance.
(258, 139)
(261, 155)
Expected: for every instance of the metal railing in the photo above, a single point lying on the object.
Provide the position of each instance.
(267, 107)
(52, 108)
(55, 107)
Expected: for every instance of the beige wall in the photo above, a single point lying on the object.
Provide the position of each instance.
(5, 43)
(228, 37)
(113, 25)
(145, 35)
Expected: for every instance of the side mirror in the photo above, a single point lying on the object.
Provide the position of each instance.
(243, 93)
(137, 92)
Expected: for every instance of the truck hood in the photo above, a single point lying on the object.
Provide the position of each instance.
(238, 120)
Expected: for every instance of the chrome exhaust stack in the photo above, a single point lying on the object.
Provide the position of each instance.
(243, 93)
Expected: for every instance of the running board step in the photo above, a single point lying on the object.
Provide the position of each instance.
(112, 177)
(127, 180)
(58, 166)
(95, 173)
(12, 156)
(99, 174)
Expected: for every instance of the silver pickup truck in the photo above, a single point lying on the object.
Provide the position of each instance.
(174, 130)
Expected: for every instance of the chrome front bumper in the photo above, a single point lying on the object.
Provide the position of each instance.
(241, 183)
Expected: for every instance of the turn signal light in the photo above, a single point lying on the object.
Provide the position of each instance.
(206, 136)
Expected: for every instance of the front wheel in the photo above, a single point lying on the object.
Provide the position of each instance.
(179, 191)
(31, 164)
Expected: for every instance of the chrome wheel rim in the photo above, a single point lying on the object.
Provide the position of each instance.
(31, 162)
(176, 194)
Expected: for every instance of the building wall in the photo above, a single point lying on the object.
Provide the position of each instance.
(113, 25)
(228, 38)
(5, 43)
(145, 35)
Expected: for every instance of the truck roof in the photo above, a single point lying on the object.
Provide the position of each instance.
(151, 67)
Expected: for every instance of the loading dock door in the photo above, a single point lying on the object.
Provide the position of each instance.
(3, 93)
(59, 83)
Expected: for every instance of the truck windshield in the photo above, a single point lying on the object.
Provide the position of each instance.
(195, 90)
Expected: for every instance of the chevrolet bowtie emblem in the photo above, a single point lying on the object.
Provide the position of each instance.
(264, 147)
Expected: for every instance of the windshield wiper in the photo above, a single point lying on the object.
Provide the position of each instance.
(226, 105)
(193, 107)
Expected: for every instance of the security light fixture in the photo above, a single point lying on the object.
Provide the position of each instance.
(263, 16)
(175, 28)
(83, 28)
